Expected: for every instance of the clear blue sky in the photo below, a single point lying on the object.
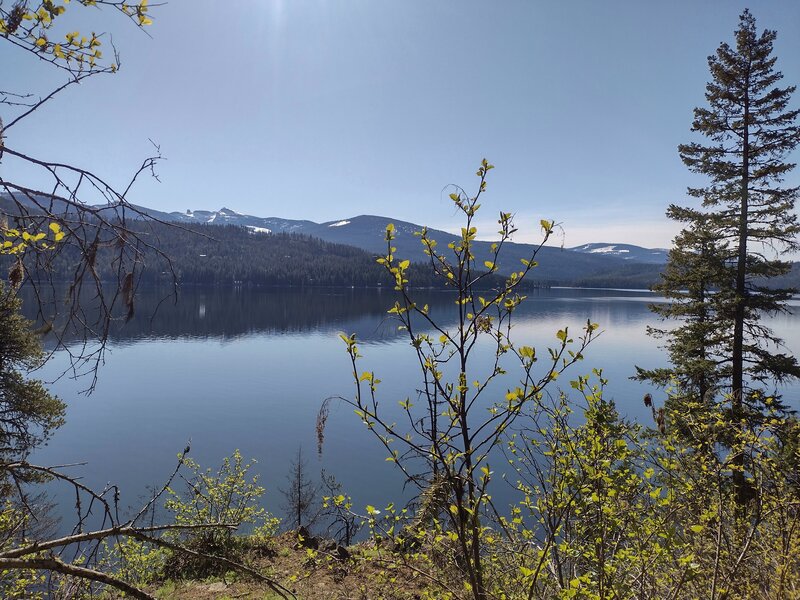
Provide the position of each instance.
(323, 110)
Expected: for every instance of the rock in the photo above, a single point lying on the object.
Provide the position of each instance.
(334, 549)
(307, 540)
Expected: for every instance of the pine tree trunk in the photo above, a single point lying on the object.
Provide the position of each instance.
(737, 383)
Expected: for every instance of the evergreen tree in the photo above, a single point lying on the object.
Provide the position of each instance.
(301, 495)
(28, 413)
(729, 249)
(698, 348)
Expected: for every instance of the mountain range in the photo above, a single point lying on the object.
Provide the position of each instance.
(353, 230)
(599, 264)
(593, 265)
(588, 264)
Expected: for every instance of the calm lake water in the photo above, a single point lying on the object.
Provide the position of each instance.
(248, 369)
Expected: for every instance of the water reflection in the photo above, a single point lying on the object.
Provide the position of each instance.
(225, 313)
(249, 368)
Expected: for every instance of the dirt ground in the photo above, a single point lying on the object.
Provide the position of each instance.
(309, 575)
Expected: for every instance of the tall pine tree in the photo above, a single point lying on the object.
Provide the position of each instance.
(697, 349)
(719, 269)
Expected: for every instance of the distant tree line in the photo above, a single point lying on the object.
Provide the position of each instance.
(226, 255)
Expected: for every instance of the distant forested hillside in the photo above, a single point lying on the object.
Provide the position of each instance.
(231, 255)
(227, 255)
(209, 254)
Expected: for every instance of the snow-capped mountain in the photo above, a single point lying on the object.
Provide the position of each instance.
(226, 216)
(367, 232)
(624, 264)
(625, 251)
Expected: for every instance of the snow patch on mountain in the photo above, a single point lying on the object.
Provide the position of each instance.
(362, 231)
(608, 250)
(627, 252)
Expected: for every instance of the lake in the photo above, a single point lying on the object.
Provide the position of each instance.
(249, 368)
